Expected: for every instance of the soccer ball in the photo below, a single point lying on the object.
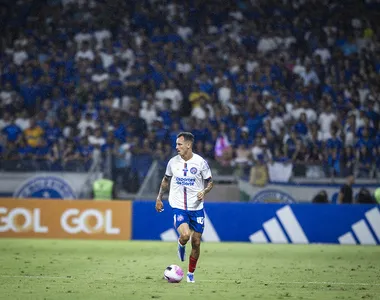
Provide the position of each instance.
(173, 274)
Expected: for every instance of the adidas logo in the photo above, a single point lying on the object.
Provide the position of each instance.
(284, 228)
(362, 231)
(291, 232)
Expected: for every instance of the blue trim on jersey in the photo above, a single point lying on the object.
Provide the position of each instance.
(184, 188)
(185, 197)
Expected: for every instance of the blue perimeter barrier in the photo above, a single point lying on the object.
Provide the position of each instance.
(267, 223)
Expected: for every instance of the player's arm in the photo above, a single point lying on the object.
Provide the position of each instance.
(209, 185)
(164, 187)
(207, 189)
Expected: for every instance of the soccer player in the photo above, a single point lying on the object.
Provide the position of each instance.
(190, 180)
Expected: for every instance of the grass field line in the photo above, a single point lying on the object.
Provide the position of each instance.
(210, 280)
(298, 282)
(34, 276)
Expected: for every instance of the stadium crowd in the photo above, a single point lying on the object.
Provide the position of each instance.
(255, 81)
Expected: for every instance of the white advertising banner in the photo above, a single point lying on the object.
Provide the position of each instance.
(52, 185)
(279, 172)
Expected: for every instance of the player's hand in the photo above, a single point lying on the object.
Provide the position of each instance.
(201, 195)
(159, 205)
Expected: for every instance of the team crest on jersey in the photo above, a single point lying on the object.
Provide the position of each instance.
(179, 218)
(193, 170)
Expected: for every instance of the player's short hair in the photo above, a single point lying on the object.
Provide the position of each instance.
(187, 136)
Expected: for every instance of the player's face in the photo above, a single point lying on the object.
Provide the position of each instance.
(182, 146)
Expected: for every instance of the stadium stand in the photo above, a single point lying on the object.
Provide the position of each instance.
(292, 81)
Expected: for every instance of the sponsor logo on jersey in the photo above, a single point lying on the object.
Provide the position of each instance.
(273, 196)
(185, 181)
(45, 187)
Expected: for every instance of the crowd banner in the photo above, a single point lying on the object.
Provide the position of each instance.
(74, 219)
(268, 223)
(41, 186)
(49, 185)
(280, 172)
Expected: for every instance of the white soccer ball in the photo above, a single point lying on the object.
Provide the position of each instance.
(173, 274)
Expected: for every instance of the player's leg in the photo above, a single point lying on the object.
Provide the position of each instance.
(184, 236)
(181, 223)
(196, 225)
(194, 255)
(195, 245)
(184, 233)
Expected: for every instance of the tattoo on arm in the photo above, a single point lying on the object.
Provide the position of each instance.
(164, 186)
(210, 185)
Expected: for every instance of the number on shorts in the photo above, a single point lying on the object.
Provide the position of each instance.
(200, 220)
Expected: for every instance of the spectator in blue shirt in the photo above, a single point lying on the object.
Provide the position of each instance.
(12, 131)
(333, 162)
(367, 125)
(52, 132)
(301, 127)
(86, 151)
(160, 131)
(365, 161)
(334, 141)
(365, 141)
(349, 47)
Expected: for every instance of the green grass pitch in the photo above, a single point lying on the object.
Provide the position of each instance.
(70, 269)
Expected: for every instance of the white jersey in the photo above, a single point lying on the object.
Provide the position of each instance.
(187, 181)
